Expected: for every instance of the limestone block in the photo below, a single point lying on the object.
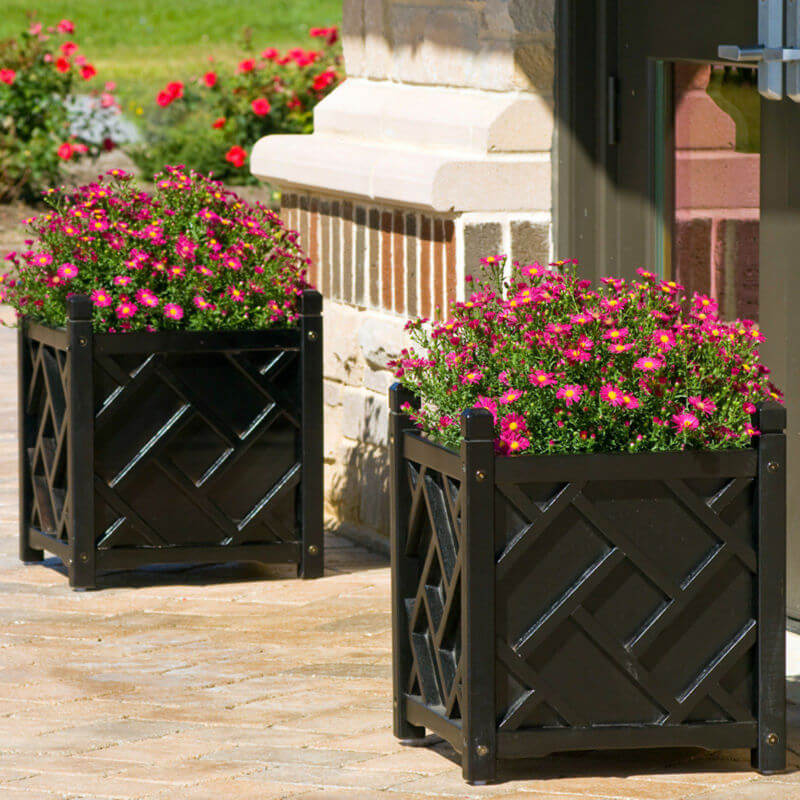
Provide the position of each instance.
(340, 343)
(373, 469)
(534, 67)
(378, 380)
(530, 241)
(332, 393)
(354, 36)
(376, 419)
(354, 413)
(381, 338)
(480, 239)
(377, 46)
(343, 483)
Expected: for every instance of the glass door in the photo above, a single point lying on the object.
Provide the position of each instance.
(701, 171)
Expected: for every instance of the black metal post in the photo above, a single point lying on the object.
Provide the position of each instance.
(312, 564)
(27, 553)
(80, 459)
(479, 759)
(404, 568)
(770, 754)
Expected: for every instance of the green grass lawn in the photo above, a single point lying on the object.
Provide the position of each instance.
(142, 44)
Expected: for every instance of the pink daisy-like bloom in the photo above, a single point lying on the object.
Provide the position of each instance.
(42, 259)
(511, 396)
(67, 271)
(176, 271)
(147, 298)
(173, 311)
(664, 340)
(514, 444)
(122, 280)
(649, 364)
(514, 424)
(541, 378)
(704, 404)
(580, 319)
(471, 377)
(576, 355)
(620, 347)
(534, 270)
(126, 309)
(200, 302)
(445, 422)
(630, 402)
(750, 408)
(234, 263)
(685, 421)
(616, 334)
(101, 298)
(185, 248)
(487, 403)
(570, 393)
(612, 395)
(751, 431)
(236, 294)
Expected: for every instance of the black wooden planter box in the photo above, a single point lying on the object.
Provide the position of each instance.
(553, 603)
(145, 448)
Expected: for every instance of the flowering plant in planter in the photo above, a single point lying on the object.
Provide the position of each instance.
(211, 120)
(40, 72)
(190, 256)
(564, 368)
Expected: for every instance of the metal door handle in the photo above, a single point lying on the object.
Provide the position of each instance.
(770, 54)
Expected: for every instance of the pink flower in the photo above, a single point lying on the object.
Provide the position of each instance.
(616, 334)
(620, 347)
(649, 364)
(514, 444)
(7, 76)
(147, 298)
(173, 311)
(66, 26)
(630, 402)
(101, 298)
(488, 404)
(43, 259)
(185, 248)
(511, 396)
(232, 262)
(570, 393)
(750, 408)
(541, 378)
(513, 424)
(122, 280)
(236, 294)
(126, 309)
(612, 395)
(248, 65)
(67, 271)
(210, 79)
(664, 340)
(200, 302)
(704, 404)
(471, 377)
(685, 421)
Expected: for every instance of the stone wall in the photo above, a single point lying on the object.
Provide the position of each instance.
(434, 152)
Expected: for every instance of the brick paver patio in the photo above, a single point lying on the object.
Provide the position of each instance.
(241, 682)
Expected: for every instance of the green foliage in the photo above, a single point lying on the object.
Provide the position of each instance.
(209, 122)
(192, 256)
(630, 367)
(39, 70)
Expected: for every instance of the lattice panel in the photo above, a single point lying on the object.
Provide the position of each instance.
(48, 439)
(434, 538)
(625, 602)
(197, 449)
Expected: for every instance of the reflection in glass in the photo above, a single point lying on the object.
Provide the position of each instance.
(715, 230)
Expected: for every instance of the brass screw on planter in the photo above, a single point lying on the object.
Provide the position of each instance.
(480, 475)
(313, 549)
(772, 739)
(482, 750)
(83, 341)
(84, 557)
(312, 336)
(773, 466)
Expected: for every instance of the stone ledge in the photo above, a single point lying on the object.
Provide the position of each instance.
(477, 121)
(436, 179)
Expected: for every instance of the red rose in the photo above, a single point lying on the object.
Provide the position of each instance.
(324, 80)
(163, 98)
(295, 102)
(62, 64)
(66, 26)
(68, 48)
(210, 79)
(236, 156)
(219, 123)
(108, 144)
(248, 65)
(270, 54)
(88, 72)
(7, 76)
(175, 89)
(66, 151)
(261, 106)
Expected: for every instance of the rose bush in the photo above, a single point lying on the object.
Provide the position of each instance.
(211, 121)
(565, 368)
(191, 256)
(41, 70)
